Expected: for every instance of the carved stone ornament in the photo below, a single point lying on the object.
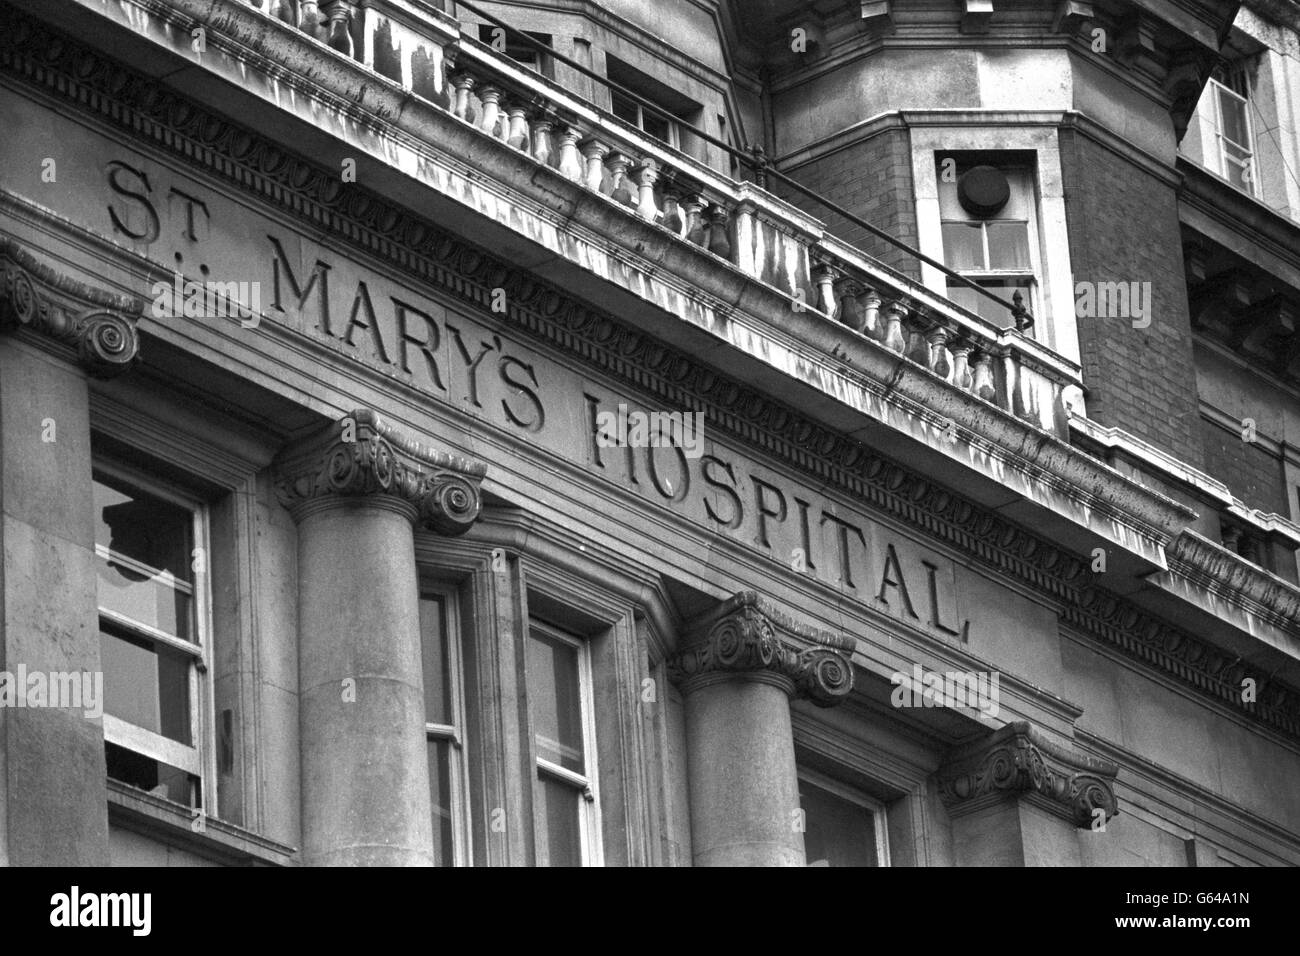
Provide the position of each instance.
(1018, 759)
(745, 635)
(362, 455)
(98, 325)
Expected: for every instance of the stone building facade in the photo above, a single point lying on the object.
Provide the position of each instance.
(422, 446)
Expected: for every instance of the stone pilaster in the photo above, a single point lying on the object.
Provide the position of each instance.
(52, 805)
(739, 667)
(355, 489)
(1016, 798)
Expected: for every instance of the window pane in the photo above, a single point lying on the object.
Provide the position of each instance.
(1008, 245)
(1232, 111)
(655, 126)
(1003, 287)
(154, 776)
(437, 670)
(623, 108)
(556, 700)
(440, 797)
(963, 245)
(151, 545)
(146, 684)
(559, 842)
(837, 832)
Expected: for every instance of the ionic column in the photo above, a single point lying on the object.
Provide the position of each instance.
(355, 490)
(738, 669)
(1017, 798)
(54, 333)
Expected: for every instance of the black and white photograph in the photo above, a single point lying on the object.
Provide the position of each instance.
(650, 433)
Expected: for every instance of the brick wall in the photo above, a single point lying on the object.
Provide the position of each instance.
(1252, 473)
(1123, 225)
(872, 179)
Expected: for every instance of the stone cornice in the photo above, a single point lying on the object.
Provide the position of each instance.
(1017, 759)
(362, 455)
(99, 326)
(147, 113)
(1233, 578)
(745, 635)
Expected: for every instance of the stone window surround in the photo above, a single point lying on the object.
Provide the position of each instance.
(501, 764)
(163, 434)
(1056, 298)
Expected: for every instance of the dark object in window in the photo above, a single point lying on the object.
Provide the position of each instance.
(983, 191)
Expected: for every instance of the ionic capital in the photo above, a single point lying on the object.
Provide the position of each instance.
(362, 455)
(745, 637)
(99, 326)
(1017, 759)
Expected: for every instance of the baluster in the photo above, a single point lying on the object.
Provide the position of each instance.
(1231, 535)
(961, 376)
(570, 161)
(490, 98)
(542, 124)
(672, 220)
(824, 278)
(619, 189)
(594, 152)
(283, 10)
(340, 26)
(982, 385)
(310, 20)
(719, 244)
(696, 232)
(516, 130)
(917, 348)
(646, 175)
(895, 312)
(869, 302)
(850, 307)
(940, 361)
(464, 85)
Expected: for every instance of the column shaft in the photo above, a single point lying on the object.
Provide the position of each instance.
(743, 786)
(52, 809)
(365, 775)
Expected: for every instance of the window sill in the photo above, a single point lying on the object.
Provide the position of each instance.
(170, 823)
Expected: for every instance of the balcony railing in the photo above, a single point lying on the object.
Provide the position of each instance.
(424, 50)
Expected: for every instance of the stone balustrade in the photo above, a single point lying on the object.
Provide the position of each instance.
(425, 51)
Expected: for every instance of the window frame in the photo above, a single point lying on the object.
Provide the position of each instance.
(462, 832)
(674, 125)
(587, 784)
(1035, 271)
(1217, 89)
(199, 759)
(850, 794)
